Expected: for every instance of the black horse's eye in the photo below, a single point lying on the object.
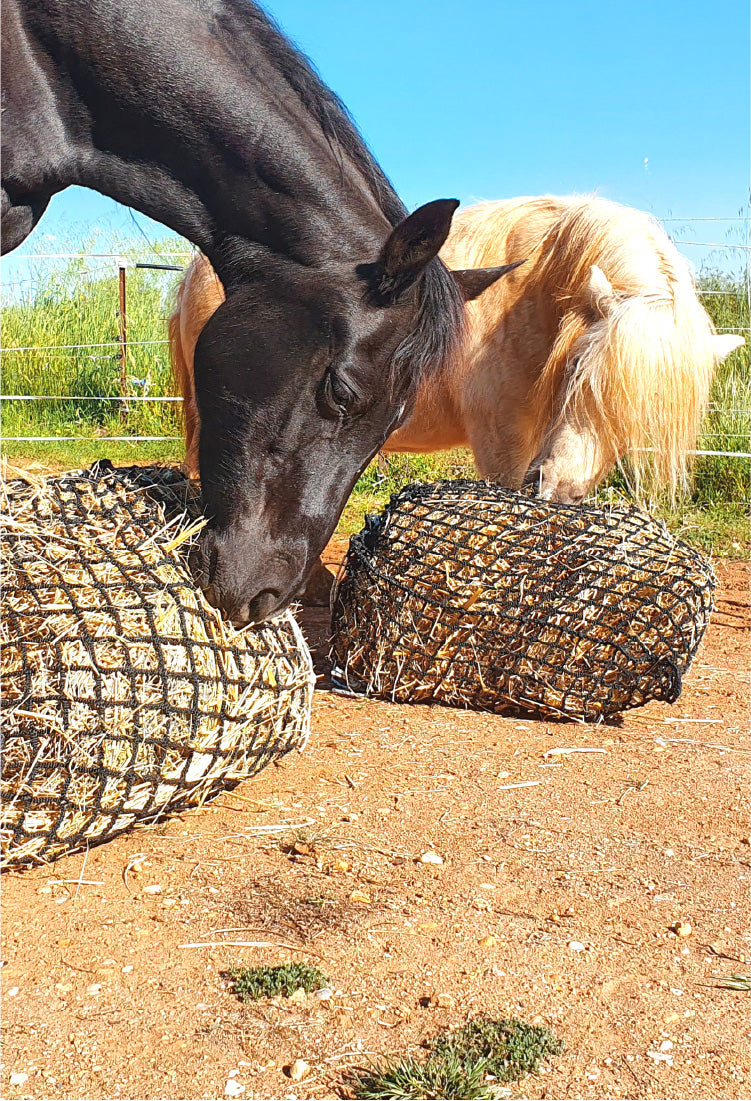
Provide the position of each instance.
(337, 399)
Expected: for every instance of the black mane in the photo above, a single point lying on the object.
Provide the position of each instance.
(440, 323)
(324, 105)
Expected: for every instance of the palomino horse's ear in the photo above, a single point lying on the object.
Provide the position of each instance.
(600, 290)
(408, 250)
(473, 281)
(726, 343)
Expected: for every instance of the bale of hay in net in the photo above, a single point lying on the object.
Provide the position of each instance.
(124, 694)
(466, 593)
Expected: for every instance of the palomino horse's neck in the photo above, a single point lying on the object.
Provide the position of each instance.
(203, 117)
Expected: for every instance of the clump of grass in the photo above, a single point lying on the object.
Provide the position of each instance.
(467, 1063)
(253, 983)
(510, 1047)
(406, 1077)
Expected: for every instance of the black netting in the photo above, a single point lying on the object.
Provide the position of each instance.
(470, 594)
(123, 692)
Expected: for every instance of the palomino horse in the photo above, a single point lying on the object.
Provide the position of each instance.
(595, 349)
(201, 114)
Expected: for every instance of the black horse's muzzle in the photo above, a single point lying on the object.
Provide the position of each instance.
(246, 586)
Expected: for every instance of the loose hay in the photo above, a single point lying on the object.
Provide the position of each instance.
(124, 694)
(470, 594)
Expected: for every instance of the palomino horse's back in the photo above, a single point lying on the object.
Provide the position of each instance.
(595, 349)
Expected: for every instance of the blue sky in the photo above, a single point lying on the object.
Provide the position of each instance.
(644, 102)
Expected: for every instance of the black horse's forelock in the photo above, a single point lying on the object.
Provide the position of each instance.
(436, 339)
(439, 327)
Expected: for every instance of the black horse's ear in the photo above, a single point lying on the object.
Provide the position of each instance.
(473, 281)
(409, 249)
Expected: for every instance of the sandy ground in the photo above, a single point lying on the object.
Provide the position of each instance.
(556, 902)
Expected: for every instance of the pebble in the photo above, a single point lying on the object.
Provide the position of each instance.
(94, 988)
(233, 1088)
(682, 928)
(152, 889)
(12, 992)
(298, 996)
(430, 858)
(489, 942)
(359, 896)
(576, 946)
(443, 1001)
(325, 994)
(297, 1070)
(18, 1078)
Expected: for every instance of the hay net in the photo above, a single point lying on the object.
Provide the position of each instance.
(123, 692)
(471, 594)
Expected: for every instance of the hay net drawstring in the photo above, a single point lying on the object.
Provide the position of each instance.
(123, 693)
(470, 594)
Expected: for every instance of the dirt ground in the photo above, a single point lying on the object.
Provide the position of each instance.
(563, 876)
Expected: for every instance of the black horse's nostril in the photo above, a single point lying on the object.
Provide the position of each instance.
(263, 605)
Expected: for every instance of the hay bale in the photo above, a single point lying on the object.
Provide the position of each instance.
(469, 594)
(124, 694)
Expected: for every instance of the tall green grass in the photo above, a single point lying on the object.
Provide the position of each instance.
(76, 303)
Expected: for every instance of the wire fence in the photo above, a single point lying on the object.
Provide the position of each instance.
(122, 347)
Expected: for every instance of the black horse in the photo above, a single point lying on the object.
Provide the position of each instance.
(201, 114)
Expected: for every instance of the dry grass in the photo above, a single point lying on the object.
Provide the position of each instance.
(124, 693)
(470, 594)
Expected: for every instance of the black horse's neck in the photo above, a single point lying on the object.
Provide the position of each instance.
(214, 124)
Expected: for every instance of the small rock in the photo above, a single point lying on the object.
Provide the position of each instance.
(298, 996)
(430, 858)
(682, 928)
(64, 987)
(666, 1045)
(576, 946)
(325, 994)
(443, 1001)
(18, 1078)
(359, 896)
(152, 889)
(341, 866)
(488, 942)
(233, 1088)
(94, 988)
(128, 968)
(669, 1018)
(12, 992)
(297, 1070)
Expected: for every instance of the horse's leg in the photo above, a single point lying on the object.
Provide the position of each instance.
(502, 454)
(18, 219)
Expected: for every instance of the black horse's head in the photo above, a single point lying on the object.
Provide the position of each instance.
(300, 376)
